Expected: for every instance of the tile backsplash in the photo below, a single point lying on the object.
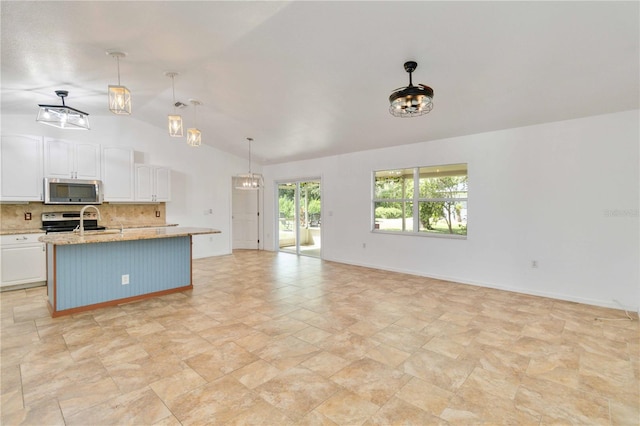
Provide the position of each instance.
(12, 216)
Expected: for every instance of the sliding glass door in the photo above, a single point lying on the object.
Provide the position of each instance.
(299, 217)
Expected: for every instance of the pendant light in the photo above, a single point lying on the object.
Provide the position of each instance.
(411, 101)
(119, 96)
(174, 120)
(62, 116)
(248, 181)
(194, 137)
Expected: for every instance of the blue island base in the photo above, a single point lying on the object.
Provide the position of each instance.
(82, 277)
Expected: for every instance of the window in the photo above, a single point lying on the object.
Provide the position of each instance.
(421, 200)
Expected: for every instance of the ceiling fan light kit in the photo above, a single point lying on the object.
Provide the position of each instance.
(411, 101)
(63, 116)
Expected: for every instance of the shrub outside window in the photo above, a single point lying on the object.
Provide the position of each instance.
(421, 200)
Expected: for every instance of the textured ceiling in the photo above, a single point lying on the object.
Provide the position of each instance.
(310, 79)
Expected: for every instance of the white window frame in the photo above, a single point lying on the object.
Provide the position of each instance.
(415, 200)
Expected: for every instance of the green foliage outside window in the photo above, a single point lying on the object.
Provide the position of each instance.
(441, 200)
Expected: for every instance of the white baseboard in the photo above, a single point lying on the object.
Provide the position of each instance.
(559, 296)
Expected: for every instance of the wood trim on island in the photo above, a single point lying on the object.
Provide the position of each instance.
(55, 314)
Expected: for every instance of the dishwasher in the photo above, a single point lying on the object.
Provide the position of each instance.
(23, 261)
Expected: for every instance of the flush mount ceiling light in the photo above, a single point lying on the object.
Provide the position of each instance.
(249, 180)
(119, 96)
(194, 137)
(62, 116)
(411, 101)
(174, 120)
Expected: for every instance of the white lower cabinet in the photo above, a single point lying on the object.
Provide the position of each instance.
(23, 260)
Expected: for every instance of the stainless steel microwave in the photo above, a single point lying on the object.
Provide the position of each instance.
(72, 191)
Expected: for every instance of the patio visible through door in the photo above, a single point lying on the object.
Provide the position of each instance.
(299, 217)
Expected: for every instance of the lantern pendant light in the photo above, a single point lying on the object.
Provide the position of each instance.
(63, 116)
(119, 96)
(174, 120)
(194, 137)
(248, 181)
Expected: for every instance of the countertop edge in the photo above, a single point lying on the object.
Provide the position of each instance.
(67, 238)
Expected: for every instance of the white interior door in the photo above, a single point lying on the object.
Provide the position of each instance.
(244, 219)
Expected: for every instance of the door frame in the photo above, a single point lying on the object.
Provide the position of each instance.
(276, 224)
(260, 209)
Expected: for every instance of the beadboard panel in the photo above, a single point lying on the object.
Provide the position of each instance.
(88, 274)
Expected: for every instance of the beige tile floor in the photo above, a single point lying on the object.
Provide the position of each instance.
(275, 339)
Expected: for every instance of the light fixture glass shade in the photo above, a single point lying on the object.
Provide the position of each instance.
(194, 137)
(119, 100)
(412, 101)
(62, 116)
(175, 126)
(248, 181)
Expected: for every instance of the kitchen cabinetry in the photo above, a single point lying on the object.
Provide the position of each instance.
(21, 168)
(23, 260)
(153, 183)
(71, 160)
(118, 179)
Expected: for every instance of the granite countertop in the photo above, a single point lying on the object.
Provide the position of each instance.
(40, 231)
(20, 231)
(111, 235)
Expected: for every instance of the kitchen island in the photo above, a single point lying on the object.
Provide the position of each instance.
(105, 268)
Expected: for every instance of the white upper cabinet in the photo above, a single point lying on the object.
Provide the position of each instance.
(118, 179)
(71, 160)
(21, 168)
(153, 183)
(162, 183)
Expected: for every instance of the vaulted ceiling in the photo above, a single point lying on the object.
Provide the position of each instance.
(310, 79)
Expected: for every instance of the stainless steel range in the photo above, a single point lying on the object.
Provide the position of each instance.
(68, 221)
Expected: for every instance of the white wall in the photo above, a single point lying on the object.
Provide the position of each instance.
(564, 194)
(200, 177)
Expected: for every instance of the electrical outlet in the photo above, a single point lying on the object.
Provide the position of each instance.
(125, 279)
(27, 216)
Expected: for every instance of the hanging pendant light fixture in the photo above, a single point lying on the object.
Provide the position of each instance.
(119, 96)
(194, 137)
(62, 116)
(411, 101)
(174, 120)
(248, 181)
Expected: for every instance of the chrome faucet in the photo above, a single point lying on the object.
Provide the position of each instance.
(82, 218)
